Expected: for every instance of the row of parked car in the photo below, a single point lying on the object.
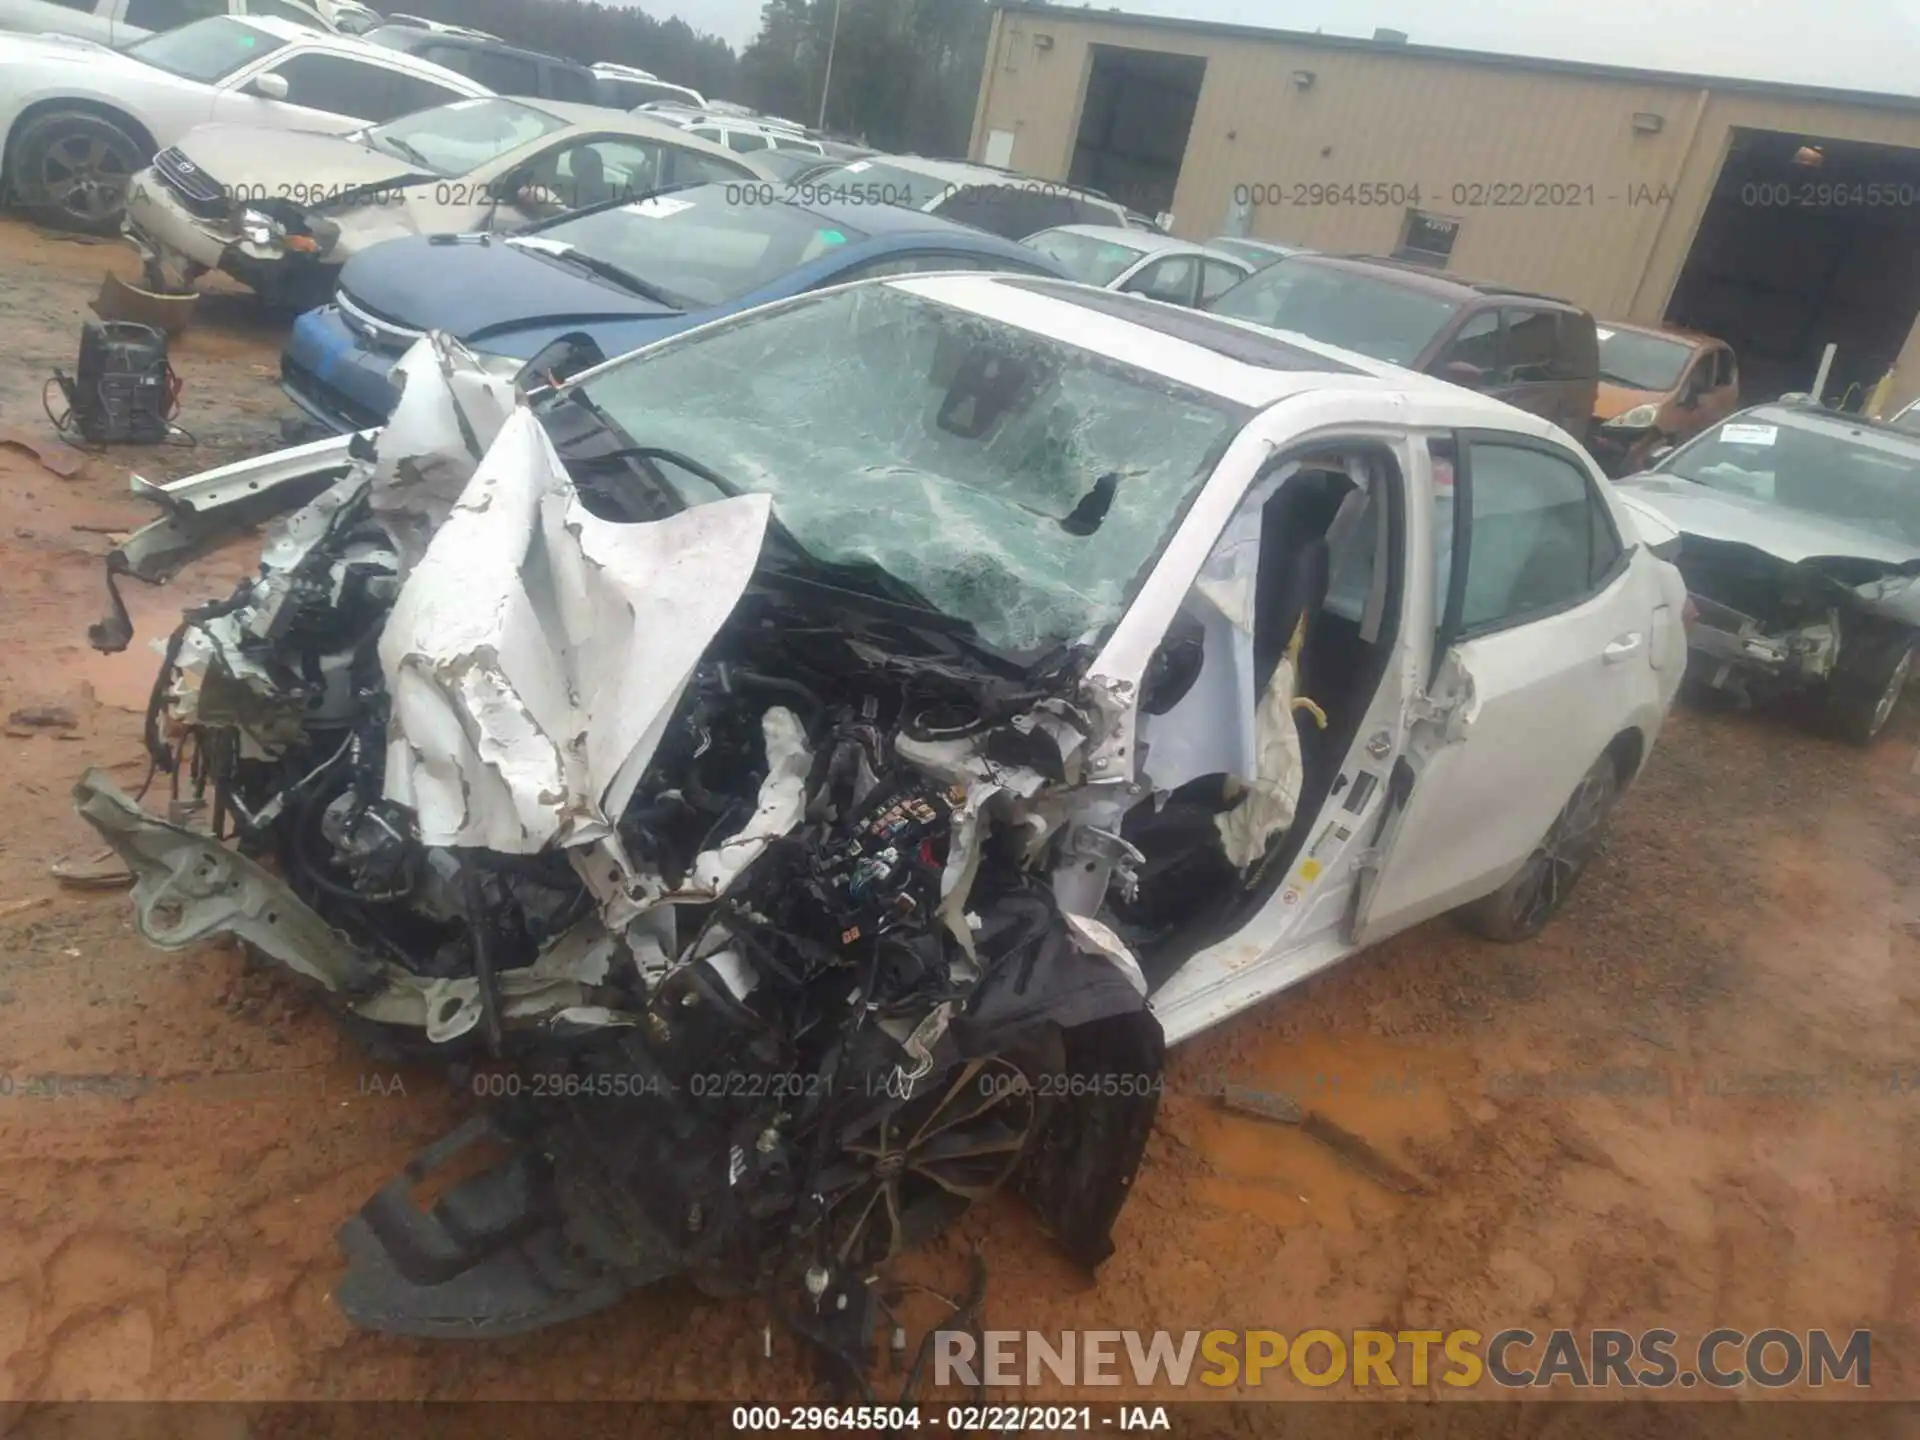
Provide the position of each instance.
(554, 234)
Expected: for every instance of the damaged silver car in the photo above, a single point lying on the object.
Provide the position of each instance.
(1800, 542)
(789, 757)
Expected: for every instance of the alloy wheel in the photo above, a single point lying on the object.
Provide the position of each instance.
(86, 175)
(1565, 851)
(914, 1169)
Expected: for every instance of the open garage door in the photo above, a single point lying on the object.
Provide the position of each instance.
(1807, 242)
(1134, 125)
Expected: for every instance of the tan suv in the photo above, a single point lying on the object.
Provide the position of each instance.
(1535, 352)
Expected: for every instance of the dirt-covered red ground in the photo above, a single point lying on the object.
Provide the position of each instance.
(1694, 1102)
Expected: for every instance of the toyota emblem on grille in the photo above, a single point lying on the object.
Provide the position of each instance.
(186, 166)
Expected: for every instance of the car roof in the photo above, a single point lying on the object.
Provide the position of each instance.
(1151, 242)
(1697, 339)
(965, 172)
(459, 40)
(1235, 360)
(626, 122)
(880, 220)
(1274, 247)
(1836, 424)
(356, 45)
(1418, 277)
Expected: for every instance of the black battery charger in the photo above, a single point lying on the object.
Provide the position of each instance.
(123, 390)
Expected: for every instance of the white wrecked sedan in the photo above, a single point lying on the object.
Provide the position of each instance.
(1799, 537)
(826, 755)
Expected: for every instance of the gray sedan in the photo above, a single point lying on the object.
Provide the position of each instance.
(1141, 262)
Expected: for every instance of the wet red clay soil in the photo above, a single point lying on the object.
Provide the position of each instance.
(1694, 1102)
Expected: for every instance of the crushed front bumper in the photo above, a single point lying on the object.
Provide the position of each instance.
(179, 246)
(1732, 649)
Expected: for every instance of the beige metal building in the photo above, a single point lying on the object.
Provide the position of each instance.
(1778, 217)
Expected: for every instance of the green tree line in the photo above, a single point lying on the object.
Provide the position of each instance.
(905, 72)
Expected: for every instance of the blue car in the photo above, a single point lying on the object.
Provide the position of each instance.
(621, 275)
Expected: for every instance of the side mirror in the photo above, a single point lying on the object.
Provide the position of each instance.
(270, 86)
(1463, 372)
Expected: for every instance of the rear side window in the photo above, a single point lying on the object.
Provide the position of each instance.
(746, 142)
(689, 167)
(1480, 343)
(1216, 279)
(455, 58)
(1171, 280)
(1723, 371)
(412, 92)
(1011, 211)
(341, 86)
(504, 74)
(1576, 353)
(1532, 337)
(1542, 539)
(280, 11)
(165, 14)
(568, 84)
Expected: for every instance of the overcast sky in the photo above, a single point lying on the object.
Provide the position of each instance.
(1848, 44)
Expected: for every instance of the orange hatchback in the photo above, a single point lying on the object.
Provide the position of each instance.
(1657, 388)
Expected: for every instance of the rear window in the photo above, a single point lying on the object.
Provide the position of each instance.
(1085, 257)
(1348, 308)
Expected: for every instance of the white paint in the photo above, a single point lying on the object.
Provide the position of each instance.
(1749, 434)
(783, 800)
(536, 653)
(657, 207)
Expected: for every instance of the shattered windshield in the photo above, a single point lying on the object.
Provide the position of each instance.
(1018, 484)
(1869, 481)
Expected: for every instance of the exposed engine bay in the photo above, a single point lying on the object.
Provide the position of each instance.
(748, 884)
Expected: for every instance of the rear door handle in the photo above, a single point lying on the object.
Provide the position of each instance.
(1623, 647)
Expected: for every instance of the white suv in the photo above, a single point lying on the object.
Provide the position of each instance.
(119, 22)
(745, 136)
(79, 119)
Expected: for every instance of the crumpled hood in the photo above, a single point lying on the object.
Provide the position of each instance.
(474, 290)
(1612, 400)
(1790, 535)
(234, 156)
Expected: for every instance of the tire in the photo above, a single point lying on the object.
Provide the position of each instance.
(71, 170)
(1868, 683)
(1540, 889)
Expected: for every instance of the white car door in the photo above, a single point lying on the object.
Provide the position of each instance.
(1552, 635)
